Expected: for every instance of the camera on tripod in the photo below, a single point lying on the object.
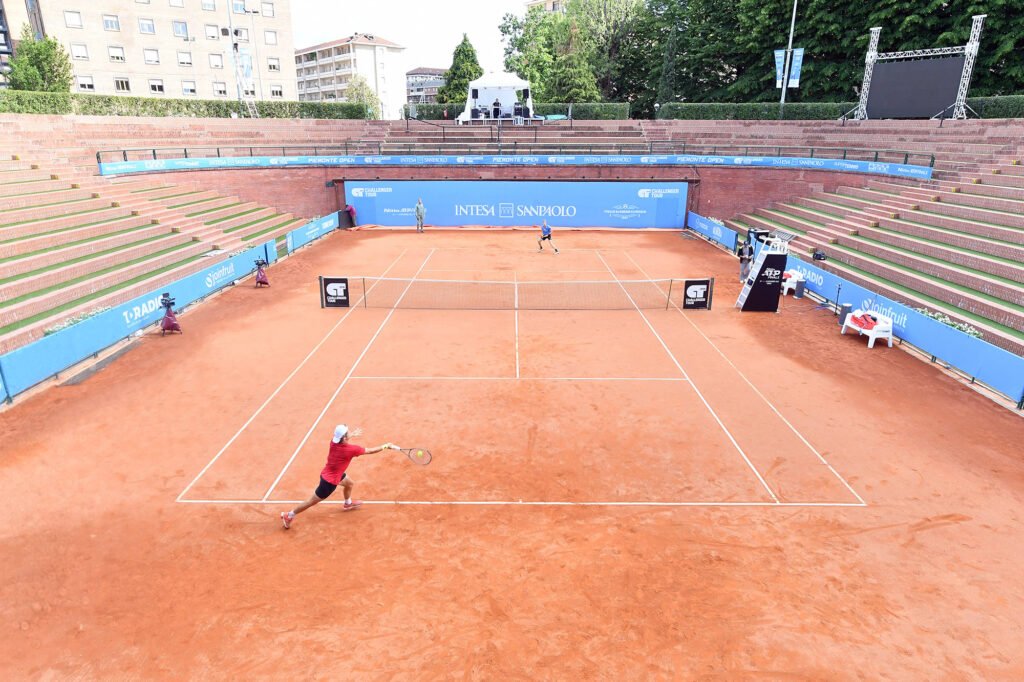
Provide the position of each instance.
(166, 301)
(260, 263)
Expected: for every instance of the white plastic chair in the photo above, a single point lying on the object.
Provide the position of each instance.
(789, 283)
(882, 330)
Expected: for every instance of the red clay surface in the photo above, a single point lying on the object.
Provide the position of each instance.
(633, 443)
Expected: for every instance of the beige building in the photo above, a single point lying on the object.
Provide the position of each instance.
(547, 5)
(171, 48)
(422, 84)
(325, 70)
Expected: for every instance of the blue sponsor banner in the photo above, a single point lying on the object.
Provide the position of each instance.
(994, 366)
(521, 202)
(312, 230)
(720, 234)
(849, 166)
(780, 66)
(27, 366)
(794, 69)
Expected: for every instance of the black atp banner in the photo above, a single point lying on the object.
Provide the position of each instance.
(697, 293)
(764, 291)
(334, 292)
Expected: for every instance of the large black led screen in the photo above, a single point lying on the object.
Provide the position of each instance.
(919, 88)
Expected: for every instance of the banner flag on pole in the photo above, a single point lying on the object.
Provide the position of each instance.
(794, 70)
(780, 61)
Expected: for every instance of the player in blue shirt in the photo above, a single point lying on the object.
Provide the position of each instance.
(545, 234)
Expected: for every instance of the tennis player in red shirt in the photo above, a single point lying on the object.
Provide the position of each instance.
(339, 457)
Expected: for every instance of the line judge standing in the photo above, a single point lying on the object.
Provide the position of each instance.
(421, 212)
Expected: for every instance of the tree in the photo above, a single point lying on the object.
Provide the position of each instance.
(532, 45)
(602, 28)
(464, 68)
(40, 65)
(359, 91)
(572, 79)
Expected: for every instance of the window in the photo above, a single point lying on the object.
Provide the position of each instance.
(177, 3)
(210, 5)
(276, 91)
(238, 6)
(142, 2)
(273, 64)
(151, 56)
(111, 22)
(249, 91)
(220, 89)
(73, 19)
(116, 54)
(122, 85)
(212, 32)
(242, 34)
(270, 37)
(188, 87)
(147, 26)
(156, 86)
(184, 58)
(267, 9)
(216, 60)
(85, 83)
(79, 51)
(180, 29)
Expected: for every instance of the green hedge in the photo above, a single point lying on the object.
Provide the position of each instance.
(1010, 106)
(596, 111)
(795, 111)
(21, 102)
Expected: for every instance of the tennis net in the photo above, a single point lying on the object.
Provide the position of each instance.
(437, 294)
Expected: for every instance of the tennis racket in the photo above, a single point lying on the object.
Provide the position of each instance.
(419, 456)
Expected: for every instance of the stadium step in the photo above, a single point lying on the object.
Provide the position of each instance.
(25, 188)
(71, 269)
(30, 214)
(883, 263)
(14, 311)
(57, 224)
(28, 332)
(33, 260)
(43, 199)
(234, 210)
(994, 334)
(74, 234)
(956, 233)
(981, 189)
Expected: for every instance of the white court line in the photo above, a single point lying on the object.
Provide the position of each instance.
(515, 278)
(345, 380)
(518, 503)
(692, 383)
(761, 395)
(283, 384)
(516, 378)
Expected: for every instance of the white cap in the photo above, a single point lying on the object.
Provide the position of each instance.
(339, 432)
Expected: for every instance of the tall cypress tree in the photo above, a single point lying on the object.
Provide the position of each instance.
(572, 79)
(464, 68)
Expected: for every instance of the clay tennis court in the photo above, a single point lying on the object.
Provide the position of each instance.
(624, 491)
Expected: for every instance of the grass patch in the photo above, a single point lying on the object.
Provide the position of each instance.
(91, 275)
(251, 223)
(216, 221)
(256, 235)
(54, 217)
(67, 229)
(76, 243)
(97, 294)
(81, 259)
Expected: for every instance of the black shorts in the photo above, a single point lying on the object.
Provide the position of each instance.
(325, 489)
(547, 236)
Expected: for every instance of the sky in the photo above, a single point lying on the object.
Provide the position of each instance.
(428, 29)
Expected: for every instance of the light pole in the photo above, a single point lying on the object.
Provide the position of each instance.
(789, 58)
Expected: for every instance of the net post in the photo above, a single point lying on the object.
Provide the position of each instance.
(321, 278)
(711, 293)
(668, 299)
(366, 303)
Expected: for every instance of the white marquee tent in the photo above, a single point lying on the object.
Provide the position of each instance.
(496, 86)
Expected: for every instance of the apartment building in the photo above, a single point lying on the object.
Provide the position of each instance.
(172, 48)
(325, 70)
(547, 5)
(422, 84)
